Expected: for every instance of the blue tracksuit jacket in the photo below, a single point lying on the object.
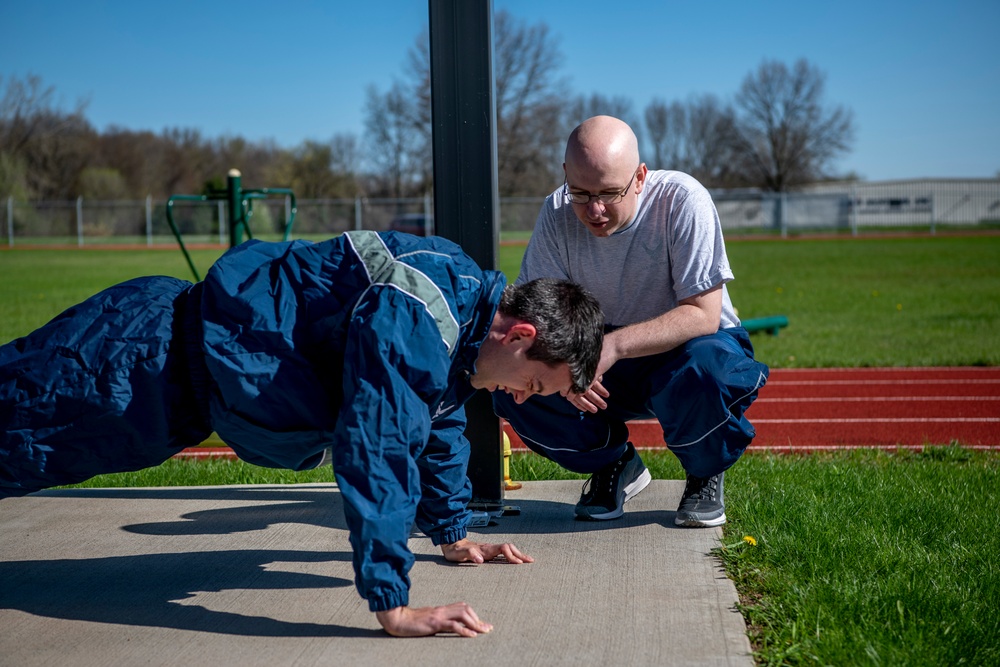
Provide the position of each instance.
(363, 344)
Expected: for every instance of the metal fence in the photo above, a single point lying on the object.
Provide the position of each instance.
(854, 208)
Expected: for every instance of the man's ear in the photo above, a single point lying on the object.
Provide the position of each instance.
(521, 332)
(640, 178)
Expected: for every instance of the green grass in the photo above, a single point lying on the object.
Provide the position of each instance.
(205, 472)
(37, 285)
(921, 301)
(867, 558)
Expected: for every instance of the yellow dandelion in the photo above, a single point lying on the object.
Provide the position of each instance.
(749, 539)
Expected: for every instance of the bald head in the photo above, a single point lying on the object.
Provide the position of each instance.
(602, 144)
(602, 165)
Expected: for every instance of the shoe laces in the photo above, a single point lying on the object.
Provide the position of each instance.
(702, 488)
(603, 478)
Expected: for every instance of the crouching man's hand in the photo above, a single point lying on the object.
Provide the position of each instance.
(458, 618)
(468, 551)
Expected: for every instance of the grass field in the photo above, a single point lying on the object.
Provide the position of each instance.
(914, 301)
(861, 557)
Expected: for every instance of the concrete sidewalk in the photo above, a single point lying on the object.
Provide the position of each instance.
(261, 575)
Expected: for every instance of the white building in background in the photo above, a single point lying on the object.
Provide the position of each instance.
(930, 202)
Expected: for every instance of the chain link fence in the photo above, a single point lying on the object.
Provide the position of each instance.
(927, 205)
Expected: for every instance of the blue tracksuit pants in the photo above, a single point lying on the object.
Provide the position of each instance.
(104, 387)
(698, 392)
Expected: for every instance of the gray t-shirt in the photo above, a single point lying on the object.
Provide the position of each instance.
(673, 249)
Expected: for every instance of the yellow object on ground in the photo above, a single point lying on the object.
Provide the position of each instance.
(508, 485)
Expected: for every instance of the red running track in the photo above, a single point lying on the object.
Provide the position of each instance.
(807, 410)
(814, 409)
(885, 407)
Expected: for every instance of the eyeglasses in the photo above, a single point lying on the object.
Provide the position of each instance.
(583, 198)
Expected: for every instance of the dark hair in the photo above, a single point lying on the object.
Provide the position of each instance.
(569, 323)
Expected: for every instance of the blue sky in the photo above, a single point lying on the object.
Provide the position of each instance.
(922, 78)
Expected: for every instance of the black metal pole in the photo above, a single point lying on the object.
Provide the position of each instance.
(466, 205)
(234, 197)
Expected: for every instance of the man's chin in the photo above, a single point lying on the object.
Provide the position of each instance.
(600, 229)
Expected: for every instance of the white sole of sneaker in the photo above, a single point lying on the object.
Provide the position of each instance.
(698, 523)
(640, 483)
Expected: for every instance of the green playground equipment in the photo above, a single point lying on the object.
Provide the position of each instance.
(240, 204)
(769, 324)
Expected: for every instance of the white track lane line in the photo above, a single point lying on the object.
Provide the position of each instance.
(888, 420)
(866, 399)
(832, 383)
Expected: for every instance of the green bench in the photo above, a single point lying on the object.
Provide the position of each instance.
(769, 324)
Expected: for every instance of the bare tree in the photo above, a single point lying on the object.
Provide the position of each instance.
(395, 141)
(597, 104)
(666, 125)
(418, 73)
(785, 135)
(44, 148)
(528, 102)
(711, 128)
(135, 155)
(26, 111)
(695, 137)
(346, 158)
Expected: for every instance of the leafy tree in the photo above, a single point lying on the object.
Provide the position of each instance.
(102, 183)
(13, 177)
(310, 171)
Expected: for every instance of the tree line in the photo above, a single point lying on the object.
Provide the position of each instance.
(776, 133)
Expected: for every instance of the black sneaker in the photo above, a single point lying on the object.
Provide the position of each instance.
(702, 504)
(607, 490)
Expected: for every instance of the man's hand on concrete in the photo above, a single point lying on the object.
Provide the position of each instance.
(469, 551)
(458, 618)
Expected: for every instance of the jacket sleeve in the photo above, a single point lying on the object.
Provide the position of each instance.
(446, 489)
(394, 360)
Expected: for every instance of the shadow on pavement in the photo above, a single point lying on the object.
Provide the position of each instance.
(148, 590)
(549, 517)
